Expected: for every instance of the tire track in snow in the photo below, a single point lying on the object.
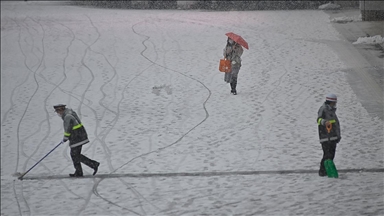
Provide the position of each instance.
(41, 63)
(114, 121)
(39, 87)
(166, 68)
(19, 146)
(186, 98)
(94, 190)
(168, 114)
(137, 194)
(89, 69)
(106, 149)
(172, 101)
(204, 103)
(57, 86)
(153, 63)
(12, 107)
(48, 115)
(97, 121)
(87, 199)
(42, 59)
(17, 200)
(13, 94)
(82, 101)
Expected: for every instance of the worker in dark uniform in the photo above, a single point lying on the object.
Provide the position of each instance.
(327, 118)
(75, 132)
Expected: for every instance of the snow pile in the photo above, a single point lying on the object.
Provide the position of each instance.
(377, 39)
(346, 19)
(329, 6)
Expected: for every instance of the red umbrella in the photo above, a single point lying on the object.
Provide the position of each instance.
(238, 39)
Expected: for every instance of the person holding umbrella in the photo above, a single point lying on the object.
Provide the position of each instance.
(75, 132)
(233, 51)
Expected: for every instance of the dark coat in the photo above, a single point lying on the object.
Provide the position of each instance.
(327, 113)
(233, 53)
(74, 130)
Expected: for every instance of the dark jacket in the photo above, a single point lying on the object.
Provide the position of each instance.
(74, 130)
(327, 113)
(233, 53)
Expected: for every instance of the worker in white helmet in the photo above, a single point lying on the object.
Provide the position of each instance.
(329, 131)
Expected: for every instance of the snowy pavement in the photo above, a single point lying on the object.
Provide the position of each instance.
(365, 59)
(170, 137)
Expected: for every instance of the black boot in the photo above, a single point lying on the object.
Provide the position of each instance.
(322, 171)
(76, 174)
(79, 170)
(96, 168)
(233, 88)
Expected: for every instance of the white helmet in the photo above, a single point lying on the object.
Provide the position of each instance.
(331, 97)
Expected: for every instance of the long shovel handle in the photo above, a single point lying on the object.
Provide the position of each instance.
(21, 177)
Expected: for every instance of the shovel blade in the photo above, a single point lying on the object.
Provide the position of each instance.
(330, 168)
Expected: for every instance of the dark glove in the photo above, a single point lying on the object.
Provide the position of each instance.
(65, 139)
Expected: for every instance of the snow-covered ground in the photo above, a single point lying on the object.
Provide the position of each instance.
(376, 39)
(170, 137)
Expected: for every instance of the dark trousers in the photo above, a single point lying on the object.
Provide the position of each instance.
(78, 158)
(233, 83)
(329, 151)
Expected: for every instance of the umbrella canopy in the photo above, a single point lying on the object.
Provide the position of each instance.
(238, 39)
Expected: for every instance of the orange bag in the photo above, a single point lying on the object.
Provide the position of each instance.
(225, 65)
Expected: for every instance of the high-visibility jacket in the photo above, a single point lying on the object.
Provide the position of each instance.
(74, 130)
(327, 113)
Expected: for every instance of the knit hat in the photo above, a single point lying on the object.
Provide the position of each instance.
(331, 97)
